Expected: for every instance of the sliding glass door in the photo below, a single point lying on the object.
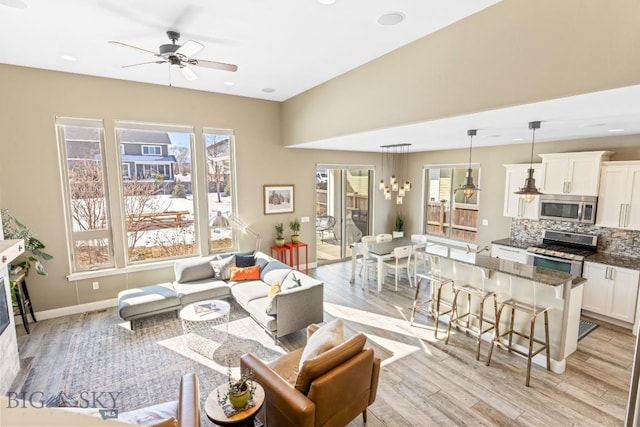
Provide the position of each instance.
(342, 209)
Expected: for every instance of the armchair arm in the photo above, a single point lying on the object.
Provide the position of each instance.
(189, 401)
(284, 405)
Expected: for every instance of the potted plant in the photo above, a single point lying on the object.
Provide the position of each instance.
(295, 228)
(33, 248)
(239, 392)
(280, 234)
(398, 231)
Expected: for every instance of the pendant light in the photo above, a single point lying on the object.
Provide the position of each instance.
(468, 188)
(529, 190)
(395, 163)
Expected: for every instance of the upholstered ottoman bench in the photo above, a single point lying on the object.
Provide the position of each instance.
(136, 303)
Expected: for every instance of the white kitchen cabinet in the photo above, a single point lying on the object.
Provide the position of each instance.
(610, 291)
(573, 173)
(619, 200)
(514, 204)
(509, 253)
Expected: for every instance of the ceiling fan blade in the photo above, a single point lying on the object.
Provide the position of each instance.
(133, 47)
(213, 64)
(189, 49)
(188, 73)
(144, 63)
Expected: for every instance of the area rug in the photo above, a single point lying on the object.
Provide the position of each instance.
(145, 365)
(585, 329)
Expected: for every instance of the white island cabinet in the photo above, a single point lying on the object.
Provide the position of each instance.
(573, 173)
(619, 200)
(610, 291)
(515, 205)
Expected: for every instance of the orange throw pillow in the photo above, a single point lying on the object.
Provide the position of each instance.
(245, 273)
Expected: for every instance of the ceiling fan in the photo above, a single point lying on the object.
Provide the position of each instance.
(179, 56)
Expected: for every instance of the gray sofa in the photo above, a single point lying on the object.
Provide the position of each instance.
(298, 304)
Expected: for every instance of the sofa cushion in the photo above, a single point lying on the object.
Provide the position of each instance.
(135, 302)
(256, 308)
(193, 269)
(239, 274)
(245, 260)
(274, 271)
(313, 368)
(200, 290)
(244, 292)
(222, 267)
(325, 338)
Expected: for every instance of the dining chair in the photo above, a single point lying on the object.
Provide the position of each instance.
(384, 237)
(401, 260)
(364, 260)
(368, 239)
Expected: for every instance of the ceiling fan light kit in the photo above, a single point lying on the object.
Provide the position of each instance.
(180, 56)
(468, 188)
(529, 191)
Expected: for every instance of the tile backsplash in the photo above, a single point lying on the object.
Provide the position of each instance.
(614, 241)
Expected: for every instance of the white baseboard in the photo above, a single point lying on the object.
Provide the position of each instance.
(66, 311)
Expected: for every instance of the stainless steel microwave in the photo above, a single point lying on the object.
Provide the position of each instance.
(568, 208)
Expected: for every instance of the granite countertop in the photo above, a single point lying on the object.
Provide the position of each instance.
(632, 263)
(541, 275)
(520, 244)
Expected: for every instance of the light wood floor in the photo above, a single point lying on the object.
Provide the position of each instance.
(424, 382)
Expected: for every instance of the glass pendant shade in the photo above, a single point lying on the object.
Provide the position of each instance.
(394, 169)
(469, 188)
(529, 191)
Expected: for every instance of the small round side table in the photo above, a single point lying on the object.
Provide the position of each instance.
(240, 419)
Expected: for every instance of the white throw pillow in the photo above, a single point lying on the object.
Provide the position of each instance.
(325, 338)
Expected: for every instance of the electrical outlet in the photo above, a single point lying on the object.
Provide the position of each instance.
(96, 286)
(304, 219)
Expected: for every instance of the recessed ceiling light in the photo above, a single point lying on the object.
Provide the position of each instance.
(518, 139)
(391, 18)
(326, 1)
(616, 130)
(16, 4)
(268, 90)
(229, 83)
(69, 58)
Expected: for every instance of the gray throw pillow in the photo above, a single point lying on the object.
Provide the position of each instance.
(193, 269)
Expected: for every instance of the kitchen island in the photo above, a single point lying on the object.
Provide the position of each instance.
(538, 286)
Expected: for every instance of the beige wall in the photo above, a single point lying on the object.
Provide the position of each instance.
(29, 172)
(512, 53)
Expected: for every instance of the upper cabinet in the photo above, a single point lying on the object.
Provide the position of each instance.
(619, 201)
(514, 204)
(573, 173)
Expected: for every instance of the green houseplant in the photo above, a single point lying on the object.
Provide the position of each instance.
(239, 392)
(33, 248)
(279, 234)
(295, 228)
(398, 230)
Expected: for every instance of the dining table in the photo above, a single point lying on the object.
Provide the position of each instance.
(381, 251)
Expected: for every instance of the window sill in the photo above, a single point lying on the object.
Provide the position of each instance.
(83, 275)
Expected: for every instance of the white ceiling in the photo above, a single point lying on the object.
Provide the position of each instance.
(289, 46)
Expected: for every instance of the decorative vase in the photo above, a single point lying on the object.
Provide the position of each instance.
(239, 400)
(397, 234)
(279, 242)
(295, 238)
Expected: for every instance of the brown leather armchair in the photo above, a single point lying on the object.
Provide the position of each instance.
(330, 389)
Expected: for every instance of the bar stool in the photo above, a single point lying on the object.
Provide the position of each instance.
(468, 285)
(439, 274)
(532, 310)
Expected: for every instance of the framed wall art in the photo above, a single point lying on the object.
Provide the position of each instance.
(278, 199)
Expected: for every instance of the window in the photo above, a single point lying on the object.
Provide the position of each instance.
(87, 207)
(218, 149)
(159, 218)
(447, 212)
(153, 200)
(151, 150)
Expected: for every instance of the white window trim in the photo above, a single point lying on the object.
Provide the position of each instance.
(158, 147)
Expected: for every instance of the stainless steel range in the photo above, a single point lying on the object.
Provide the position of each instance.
(563, 251)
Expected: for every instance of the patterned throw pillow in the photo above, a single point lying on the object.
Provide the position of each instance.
(222, 267)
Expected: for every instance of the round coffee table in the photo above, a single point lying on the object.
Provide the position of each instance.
(243, 418)
(205, 325)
